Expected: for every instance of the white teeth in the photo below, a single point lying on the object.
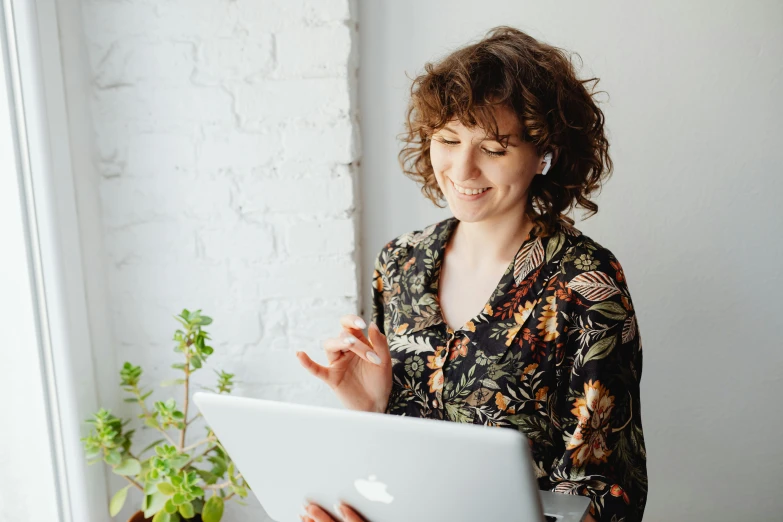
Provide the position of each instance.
(469, 192)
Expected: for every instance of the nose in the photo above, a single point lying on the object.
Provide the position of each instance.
(463, 165)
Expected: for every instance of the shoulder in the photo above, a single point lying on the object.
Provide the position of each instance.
(402, 248)
(585, 258)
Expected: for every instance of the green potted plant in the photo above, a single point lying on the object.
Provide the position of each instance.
(178, 481)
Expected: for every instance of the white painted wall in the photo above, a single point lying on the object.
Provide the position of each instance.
(216, 161)
(695, 120)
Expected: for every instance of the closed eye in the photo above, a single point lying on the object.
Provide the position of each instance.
(488, 152)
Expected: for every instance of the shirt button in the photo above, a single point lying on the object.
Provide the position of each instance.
(434, 403)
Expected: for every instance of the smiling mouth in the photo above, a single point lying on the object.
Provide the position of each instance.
(468, 191)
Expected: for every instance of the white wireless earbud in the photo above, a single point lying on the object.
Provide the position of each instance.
(548, 159)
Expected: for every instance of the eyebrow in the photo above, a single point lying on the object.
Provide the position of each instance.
(500, 140)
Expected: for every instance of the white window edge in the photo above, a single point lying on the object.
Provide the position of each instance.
(53, 235)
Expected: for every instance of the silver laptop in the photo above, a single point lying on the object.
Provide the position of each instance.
(388, 468)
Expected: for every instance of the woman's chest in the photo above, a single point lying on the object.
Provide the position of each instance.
(464, 292)
(498, 370)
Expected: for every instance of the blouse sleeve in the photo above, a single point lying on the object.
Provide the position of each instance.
(598, 403)
(378, 312)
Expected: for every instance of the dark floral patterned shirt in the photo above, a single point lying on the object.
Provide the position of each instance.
(555, 353)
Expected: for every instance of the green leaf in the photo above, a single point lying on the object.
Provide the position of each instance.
(196, 362)
(206, 476)
(600, 349)
(161, 516)
(155, 503)
(219, 465)
(131, 399)
(166, 488)
(118, 500)
(172, 382)
(186, 510)
(170, 507)
(128, 467)
(213, 509)
(113, 458)
(179, 461)
(205, 320)
(610, 309)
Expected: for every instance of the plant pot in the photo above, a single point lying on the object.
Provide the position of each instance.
(139, 517)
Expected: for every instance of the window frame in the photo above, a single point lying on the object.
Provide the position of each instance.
(39, 124)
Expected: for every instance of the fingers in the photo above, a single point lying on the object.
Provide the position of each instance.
(353, 321)
(379, 343)
(315, 513)
(355, 326)
(335, 349)
(313, 367)
(347, 342)
(349, 515)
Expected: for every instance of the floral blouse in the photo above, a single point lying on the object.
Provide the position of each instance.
(555, 353)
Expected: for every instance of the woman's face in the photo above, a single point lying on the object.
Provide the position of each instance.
(465, 159)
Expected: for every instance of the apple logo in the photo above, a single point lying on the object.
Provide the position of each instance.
(373, 490)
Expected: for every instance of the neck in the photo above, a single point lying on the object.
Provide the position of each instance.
(490, 242)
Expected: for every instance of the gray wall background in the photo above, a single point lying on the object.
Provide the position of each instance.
(692, 212)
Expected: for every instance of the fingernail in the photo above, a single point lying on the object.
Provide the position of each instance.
(339, 510)
(349, 340)
(373, 358)
(304, 508)
(360, 323)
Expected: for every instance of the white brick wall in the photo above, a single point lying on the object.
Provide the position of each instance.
(226, 142)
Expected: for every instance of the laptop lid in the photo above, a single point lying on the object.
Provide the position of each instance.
(389, 468)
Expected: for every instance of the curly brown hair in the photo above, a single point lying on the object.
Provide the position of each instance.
(539, 84)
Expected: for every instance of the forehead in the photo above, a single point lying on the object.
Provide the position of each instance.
(506, 119)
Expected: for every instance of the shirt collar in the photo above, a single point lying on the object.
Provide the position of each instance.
(426, 255)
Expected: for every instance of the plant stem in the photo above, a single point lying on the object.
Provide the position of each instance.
(188, 463)
(194, 418)
(187, 391)
(197, 444)
(133, 482)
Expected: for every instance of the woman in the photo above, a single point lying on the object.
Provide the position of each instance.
(505, 132)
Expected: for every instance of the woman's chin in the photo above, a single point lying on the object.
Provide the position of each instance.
(466, 215)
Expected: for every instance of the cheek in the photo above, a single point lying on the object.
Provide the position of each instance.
(436, 158)
(514, 176)
(439, 161)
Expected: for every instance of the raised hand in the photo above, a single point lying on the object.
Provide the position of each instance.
(359, 369)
